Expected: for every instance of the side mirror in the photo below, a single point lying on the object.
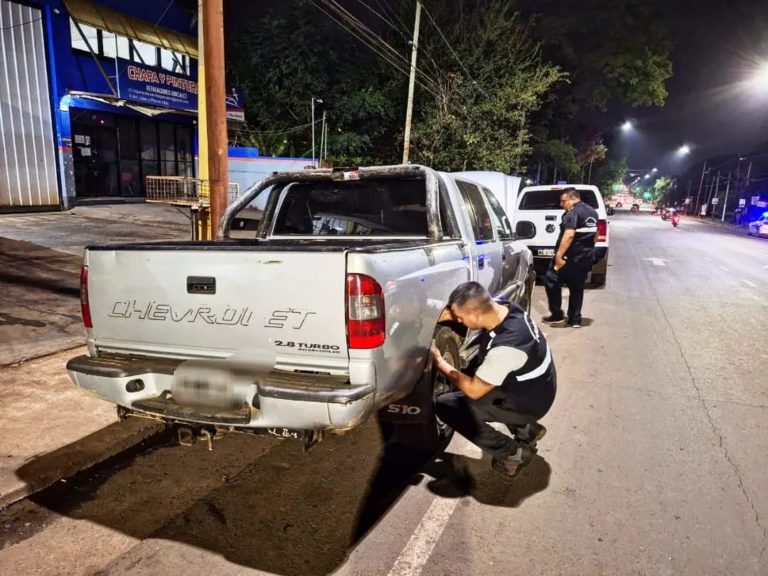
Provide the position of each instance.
(525, 230)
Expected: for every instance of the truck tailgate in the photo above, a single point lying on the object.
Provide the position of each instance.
(214, 303)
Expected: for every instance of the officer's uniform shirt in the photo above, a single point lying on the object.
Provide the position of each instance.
(583, 219)
(515, 356)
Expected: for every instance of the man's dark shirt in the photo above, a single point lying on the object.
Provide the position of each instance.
(515, 357)
(583, 219)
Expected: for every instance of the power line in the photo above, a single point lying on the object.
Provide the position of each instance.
(403, 69)
(456, 56)
(350, 18)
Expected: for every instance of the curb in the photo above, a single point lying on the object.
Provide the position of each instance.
(96, 448)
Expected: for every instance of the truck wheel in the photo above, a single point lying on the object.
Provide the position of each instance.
(526, 303)
(598, 280)
(432, 435)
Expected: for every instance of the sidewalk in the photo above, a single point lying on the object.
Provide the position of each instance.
(40, 260)
(50, 430)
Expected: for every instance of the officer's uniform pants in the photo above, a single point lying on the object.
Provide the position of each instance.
(470, 418)
(574, 276)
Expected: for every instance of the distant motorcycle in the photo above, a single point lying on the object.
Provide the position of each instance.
(675, 219)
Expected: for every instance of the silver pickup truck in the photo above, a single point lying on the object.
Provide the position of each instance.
(314, 320)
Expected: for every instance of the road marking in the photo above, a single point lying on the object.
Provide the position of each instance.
(748, 283)
(657, 261)
(724, 269)
(416, 553)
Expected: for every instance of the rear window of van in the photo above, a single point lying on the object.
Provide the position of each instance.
(550, 199)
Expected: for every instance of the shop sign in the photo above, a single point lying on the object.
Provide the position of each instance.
(157, 87)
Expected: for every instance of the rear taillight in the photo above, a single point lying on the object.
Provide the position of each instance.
(85, 307)
(366, 325)
(602, 230)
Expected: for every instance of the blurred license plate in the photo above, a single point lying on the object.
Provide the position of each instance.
(210, 389)
(546, 252)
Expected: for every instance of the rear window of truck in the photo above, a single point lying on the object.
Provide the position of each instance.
(550, 199)
(354, 208)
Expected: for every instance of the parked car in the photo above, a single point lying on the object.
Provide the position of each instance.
(318, 320)
(759, 227)
(541, 205)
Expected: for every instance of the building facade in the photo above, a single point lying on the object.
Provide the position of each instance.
(94, 97)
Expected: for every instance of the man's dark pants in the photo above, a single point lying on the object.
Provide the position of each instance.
(470, 418)
(572, 275)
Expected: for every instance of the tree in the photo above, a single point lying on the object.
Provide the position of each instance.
(662, 189)
(610, 173)
(615, 52)
(481, 121)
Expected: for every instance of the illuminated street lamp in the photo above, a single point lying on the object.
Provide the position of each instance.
(684, 150)
(759, 79)
(654, 170)
(647, 176)
(627, 126)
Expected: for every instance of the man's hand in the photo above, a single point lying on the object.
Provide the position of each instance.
(436, 355)
(559, 261)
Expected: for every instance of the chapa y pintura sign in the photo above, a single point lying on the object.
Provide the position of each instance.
(158, 87)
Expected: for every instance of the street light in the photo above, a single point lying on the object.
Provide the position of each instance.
(684, 150)
(319, 101)
(627, 126)
(647, 176)
(654, 170)
(759, 79)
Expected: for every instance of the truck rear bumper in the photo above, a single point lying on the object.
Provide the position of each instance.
(278, 399)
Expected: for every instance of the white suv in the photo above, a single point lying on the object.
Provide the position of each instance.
(541, 205)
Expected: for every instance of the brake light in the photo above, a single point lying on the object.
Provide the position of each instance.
(602, 230)
(366, 325)
(85, 306)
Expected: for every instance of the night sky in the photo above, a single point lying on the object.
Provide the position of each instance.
(716, 45)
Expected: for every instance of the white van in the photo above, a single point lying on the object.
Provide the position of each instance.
(541, 205)
(503, 186)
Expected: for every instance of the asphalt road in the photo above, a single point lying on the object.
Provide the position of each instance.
(655, 461)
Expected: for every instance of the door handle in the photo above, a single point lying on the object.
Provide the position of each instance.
(201, 285)
(481, 261)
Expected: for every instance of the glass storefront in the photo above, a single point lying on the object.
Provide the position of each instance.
(113, 154)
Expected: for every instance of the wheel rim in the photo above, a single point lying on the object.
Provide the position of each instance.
(440, 385)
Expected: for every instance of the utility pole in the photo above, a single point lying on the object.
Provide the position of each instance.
(411, 86)
(313, 128)
(204, 223)
(322, 140)
(325, 152)
(725, 202)
(688, 196)
(215, 104)
(701, 183)
(712, 189)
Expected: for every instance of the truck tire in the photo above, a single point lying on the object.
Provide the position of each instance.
(599, 272)
(430, 435)
(526, 303)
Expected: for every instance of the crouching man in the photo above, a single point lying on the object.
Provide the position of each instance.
(514, 384)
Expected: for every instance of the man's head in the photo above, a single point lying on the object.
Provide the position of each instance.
(470, 304)
(569, 198)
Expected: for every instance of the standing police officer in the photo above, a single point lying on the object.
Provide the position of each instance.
(574, 256)
(515, 382)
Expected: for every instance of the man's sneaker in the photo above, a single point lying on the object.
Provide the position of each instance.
(576, 324)
(513, 464)
(553, 318)
(530, 434)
